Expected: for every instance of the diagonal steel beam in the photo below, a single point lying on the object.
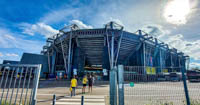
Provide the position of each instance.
(119, 45)
(137, 48)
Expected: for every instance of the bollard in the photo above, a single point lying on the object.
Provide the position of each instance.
(82, 100)
(54, 99)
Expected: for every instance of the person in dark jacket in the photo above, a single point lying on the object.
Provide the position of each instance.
(90, 83)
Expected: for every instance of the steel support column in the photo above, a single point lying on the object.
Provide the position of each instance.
(171, 61)
(118, 48)
(64, 57)
(113, 86)
(76, 58)
(69, 56)
(112, 51)
(144, 61)
(113, 71)
(105, 55)
(161, 61)
(144, 56)
(113, 78)
(49, 64)
(53, 61)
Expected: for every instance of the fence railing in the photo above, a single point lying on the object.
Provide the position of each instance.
(138, 85)
(18, 84)
(153, 85)
(141, 73)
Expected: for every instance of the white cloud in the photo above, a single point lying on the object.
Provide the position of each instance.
(132, 15)
(118, 21)
(9, 40)
(194, 65)
(1, 55)
(12, 55)
(38, 28)
(176, 11)
(61, 14)
(191, 48)
(81, 24)
(156, 30)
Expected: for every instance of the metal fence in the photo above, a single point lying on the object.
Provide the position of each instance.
(154, 86)
(19, 84)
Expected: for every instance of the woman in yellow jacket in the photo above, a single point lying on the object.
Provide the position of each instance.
(85, 80)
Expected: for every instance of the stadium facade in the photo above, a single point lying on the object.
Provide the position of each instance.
(75, 51)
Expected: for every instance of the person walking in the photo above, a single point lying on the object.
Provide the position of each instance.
(74, 85)
(93, 79)
(90, 83)
(85, 80)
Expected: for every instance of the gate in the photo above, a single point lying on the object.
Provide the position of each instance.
(19, 84)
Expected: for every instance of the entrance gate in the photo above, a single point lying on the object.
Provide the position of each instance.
(19, 84)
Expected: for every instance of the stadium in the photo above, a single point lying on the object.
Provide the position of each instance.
(75, 51)
(150, 67)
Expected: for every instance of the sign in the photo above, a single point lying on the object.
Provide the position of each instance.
(165, 70)
(120, 86)
(105, 73)
(150, 70)
(131, 84)
(75, 71)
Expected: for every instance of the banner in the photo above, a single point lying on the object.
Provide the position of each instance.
(151, 70)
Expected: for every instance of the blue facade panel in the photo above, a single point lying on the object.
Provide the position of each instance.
(10, 62)
(28, 58)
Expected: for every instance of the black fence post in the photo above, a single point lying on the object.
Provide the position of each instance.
(54, 99)
(185, 85)
(82, 100)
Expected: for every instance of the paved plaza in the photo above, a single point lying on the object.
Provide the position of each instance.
(150, 93)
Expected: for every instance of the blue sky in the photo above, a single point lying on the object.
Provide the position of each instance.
(25, 24)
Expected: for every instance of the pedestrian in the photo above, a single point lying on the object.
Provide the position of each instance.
(90, 83)
(85, 80)
(74, 85)
(93, 79)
